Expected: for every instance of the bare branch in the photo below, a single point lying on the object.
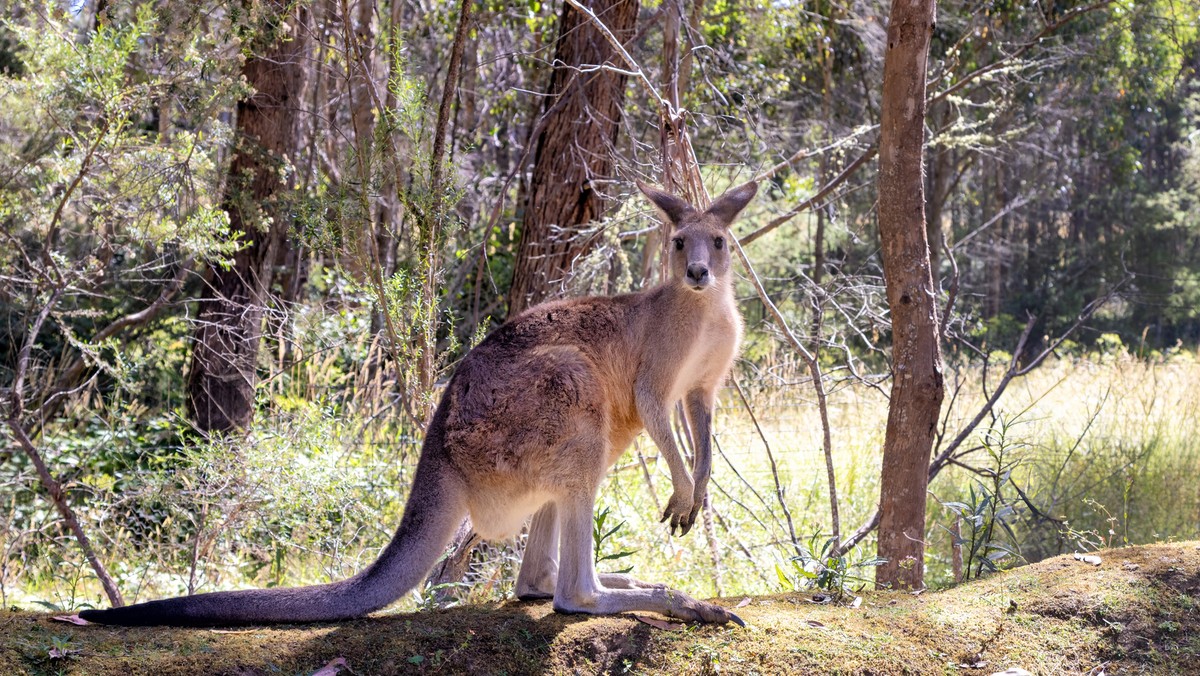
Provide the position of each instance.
(952, 294)
(787, 513)
(841, 178)
(16, 409)
(60, 502)
(803, 154)
(814, 368)
(635, 69)
(1015, 370)
(1009, 374)
(857, 536)
(71, 374)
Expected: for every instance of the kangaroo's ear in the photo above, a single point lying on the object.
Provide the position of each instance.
(671, 207)
(729, 205)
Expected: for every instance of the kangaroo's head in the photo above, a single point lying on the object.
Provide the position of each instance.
(699, 247)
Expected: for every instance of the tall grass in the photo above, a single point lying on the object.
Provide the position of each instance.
(1102, 448)
(1098, 444)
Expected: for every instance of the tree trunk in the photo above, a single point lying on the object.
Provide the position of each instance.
(583, 112)
(222, 378)
(917, 386)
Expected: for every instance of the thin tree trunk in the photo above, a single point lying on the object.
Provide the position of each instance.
(431, 227)
(917, 386)
(359, 37)
(993, 207)
(574, 149)
(222, 378)
(59, 498)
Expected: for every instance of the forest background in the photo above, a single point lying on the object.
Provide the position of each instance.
(244, 243)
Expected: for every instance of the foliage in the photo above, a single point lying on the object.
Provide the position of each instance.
(820, 567)
(992, 507)
(602, 535)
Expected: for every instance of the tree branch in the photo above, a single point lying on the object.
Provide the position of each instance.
(833, 184)
(1046, 31)
(16, 410)
(146, 314)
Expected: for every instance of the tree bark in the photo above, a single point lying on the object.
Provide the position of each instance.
(583, 112)
(917, 386)
(222, 377)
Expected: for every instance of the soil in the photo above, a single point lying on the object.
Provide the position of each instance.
(1137, 612)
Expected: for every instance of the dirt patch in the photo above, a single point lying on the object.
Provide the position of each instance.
(1138, 612)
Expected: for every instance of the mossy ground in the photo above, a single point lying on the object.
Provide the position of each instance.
(1138, 612)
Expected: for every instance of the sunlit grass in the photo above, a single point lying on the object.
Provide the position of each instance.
(1104, 445)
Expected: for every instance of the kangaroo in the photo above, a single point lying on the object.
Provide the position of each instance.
(529, 424)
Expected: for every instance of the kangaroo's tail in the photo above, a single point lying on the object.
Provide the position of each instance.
(435, 508)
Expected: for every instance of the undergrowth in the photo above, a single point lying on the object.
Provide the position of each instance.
(1084, 453)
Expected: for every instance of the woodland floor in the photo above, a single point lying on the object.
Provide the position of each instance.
(1137, 612)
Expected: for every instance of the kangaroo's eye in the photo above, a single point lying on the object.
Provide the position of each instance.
(678, 244)
(719, 242)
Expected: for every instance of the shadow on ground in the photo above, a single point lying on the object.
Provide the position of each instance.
(1138, 612)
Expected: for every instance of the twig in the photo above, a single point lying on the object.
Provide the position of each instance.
(635, 69)
(753, 514)
(1046, 31)
(16, 409)
(357, 57)
(833, 184)
(60, 502)
(1009, 374)
(814, 368)
(1014, 370)
(71, 374)
(952, 293)
(857, 536)
(1008, 209)
(787, 513)
(433, 224)
(710, 537)
(803, 154)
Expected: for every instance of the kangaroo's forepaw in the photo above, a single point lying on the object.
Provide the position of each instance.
(680, 512)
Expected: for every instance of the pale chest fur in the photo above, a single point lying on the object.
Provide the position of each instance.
(710, 355)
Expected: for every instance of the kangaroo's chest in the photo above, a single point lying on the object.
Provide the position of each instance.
(708, 358)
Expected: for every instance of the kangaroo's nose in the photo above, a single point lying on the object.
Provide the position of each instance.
(697, 272)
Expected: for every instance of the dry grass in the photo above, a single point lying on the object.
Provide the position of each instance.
(1114, 432)
(1093, 440)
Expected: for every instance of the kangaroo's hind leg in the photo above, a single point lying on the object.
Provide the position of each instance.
(579, 589)
(624, 581)
(539, 565)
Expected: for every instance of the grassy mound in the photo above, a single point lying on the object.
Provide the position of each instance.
(1137, 612)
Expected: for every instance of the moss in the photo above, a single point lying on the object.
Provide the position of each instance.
(1134, 613)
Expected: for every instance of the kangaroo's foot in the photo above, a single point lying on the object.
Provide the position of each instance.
(663, 601)
(623, 581)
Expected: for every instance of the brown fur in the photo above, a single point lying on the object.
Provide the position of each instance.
(530, 422)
